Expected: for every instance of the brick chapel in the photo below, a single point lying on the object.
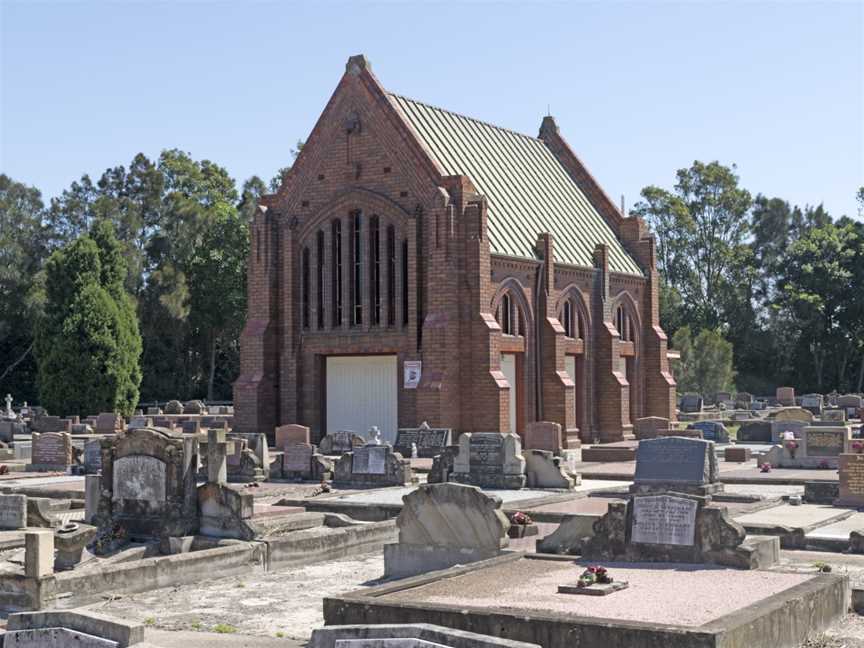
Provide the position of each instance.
(420, 265)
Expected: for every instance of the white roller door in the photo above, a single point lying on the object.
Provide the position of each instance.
(508, 368)
(362, 392)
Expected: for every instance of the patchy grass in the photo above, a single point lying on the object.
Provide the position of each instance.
(149, 621)
(224, 628)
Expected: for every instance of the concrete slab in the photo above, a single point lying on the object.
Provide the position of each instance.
(795, 476)
(767, 491)
(839, 530)
(393, 496)
(785, 515)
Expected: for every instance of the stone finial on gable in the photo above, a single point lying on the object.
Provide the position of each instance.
(548, 127)
(356, 64)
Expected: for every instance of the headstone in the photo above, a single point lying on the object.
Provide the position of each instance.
(46, 423)
(825, 442)
(51, 451)
(217, 467)
(140, 421)
(191, 427)
(786, 396)
(374, 465)
(711, 431)
(851, 480)
(755, 432)
(154, 411)
(813, 403)
(441, 525)
(194, 407)
(663, 519)
(851, 403)
(297, 458)
(289, 435)
(338, 443)
(109, 423)
(13, 511)
(92, 456)
(676, 464)
(834, 416)
(490, 460)
(737, 455)
(429, 441)
(92, 493)
(649, 427)
(148, 483)
(743, 400)
(173, 407)
(9, 412)
(691, 403)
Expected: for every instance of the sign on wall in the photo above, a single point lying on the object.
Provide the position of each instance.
(413, 369)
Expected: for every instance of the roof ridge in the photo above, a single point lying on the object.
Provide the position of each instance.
(461, 116)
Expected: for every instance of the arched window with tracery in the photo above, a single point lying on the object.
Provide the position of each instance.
(624, 324)
(509, 316)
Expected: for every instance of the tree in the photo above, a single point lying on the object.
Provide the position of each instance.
(820, 295)
(705, 366)
(23, 248)
(217, 289)
(87, 342)
(700, 228)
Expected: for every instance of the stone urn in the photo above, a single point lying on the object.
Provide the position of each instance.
(70, 540)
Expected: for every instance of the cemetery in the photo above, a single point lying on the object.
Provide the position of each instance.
(416, 392)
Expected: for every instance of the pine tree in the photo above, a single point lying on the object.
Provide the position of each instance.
(87, 343)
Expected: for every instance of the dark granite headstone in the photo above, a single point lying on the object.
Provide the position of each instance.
(691, 403)
(711, 431)
(755, 432)
(92, 456)
(430, 441)
(676, 464)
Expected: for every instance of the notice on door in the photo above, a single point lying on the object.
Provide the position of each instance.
(413, 369)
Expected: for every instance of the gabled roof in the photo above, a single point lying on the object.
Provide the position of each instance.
(527, 188)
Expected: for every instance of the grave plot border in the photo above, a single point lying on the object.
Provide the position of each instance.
(811, 606)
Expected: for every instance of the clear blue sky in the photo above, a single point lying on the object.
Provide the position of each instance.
(639, 90)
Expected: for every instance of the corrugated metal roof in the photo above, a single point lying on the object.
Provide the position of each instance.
(527, 188)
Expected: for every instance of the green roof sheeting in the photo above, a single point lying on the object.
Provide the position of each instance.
(527, 188)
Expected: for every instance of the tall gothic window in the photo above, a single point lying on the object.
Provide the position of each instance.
(568, 318)
(505, 315)
(374, 271)
(336, 271)
(357, 269)
(405, 282)
(391, 276)
(624, 324)
(571, 320)
(305, 288)
(319, 279)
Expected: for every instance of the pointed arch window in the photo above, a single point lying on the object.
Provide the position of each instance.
(374, 271)
(319, 278)
(356, 270)
(572, 321)
(624, 324)
(405, 282)
(509, 316)
(391, 275)
(336, 271)
(305, 288)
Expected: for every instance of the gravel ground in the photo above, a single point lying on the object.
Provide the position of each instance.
(287, 602)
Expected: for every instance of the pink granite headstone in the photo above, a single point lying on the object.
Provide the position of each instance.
(543, 435)
(786, 395)
(289, 435)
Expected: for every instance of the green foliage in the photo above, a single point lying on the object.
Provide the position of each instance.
(23, 247)
(87, 342)
(705, 366)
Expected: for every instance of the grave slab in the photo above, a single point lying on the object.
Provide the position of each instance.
(804, 515)
(839, 530)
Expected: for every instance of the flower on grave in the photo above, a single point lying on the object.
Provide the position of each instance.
(766, 468)
(824, 465)
(4, 469)
(520, 518)
(858, 446)
(792, 445)
(592, 575)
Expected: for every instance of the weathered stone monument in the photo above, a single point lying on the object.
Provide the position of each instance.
(755, 432)
(148, 483)
(785, 396)
(691, 403)
(13, 511)
(338, 443)
(813, 403)
(112, 423)
(851, 480)
(815, 447)
(442, 525)
(649, 427)
(287, 435)
(224, 512)
(373, 465)
(711, 430)
(173, 407)
(489, 460)
(794, 414)
(428, 441)
(51, 451)
(676, 464)
(670, 517)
